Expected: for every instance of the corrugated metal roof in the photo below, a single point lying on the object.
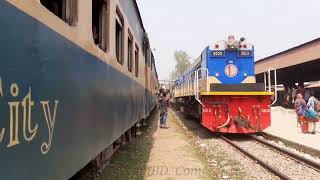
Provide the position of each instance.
(303, 53)
(288, 50)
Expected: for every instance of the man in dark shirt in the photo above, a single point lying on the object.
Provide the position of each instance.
(164, 104)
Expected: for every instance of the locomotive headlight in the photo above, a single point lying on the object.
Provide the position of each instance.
(217, 74)
(245, 74)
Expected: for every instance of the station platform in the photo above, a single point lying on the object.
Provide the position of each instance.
(284, 126)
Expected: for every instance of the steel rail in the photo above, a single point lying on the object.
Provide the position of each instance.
(313, 164)
(262, 163)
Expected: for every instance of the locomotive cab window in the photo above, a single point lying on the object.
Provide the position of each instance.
(119, 36)
(130, 49)
(99, 23)
(136, 60)
(67, 10)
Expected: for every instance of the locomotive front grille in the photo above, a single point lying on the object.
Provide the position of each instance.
(249, 87)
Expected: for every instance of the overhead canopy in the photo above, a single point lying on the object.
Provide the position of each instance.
(298, 64)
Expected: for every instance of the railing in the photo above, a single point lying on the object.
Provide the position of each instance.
(269, 85)
(196, 83)
(188, 85)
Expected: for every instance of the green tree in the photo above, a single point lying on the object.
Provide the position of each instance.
(182, 63)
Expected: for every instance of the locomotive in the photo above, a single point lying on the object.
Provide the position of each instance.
(220, 89)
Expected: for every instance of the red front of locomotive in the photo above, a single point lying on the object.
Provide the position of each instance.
(247, 113)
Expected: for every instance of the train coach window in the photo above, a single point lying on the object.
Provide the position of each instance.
(119, 36)
(152, 61)
(146, 59)
(136, 60)
(99, 23)
(130, 49)
(67, 10)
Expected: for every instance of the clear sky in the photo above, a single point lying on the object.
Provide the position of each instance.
(191, 25)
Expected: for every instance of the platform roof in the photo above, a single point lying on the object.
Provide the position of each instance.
(309, 51)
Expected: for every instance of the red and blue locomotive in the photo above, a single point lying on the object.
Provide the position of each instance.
(220, 89)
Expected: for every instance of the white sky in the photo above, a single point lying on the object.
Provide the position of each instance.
(191, 25)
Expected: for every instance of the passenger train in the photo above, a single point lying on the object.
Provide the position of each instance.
(76, 79)
(220, 89)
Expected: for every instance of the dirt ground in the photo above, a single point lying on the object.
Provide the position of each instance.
(185, 151)
(173, 156)
(158, 154)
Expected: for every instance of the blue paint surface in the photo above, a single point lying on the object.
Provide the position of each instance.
(96, 105)
(217, 64)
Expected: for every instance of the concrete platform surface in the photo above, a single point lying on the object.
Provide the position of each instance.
(284, 125)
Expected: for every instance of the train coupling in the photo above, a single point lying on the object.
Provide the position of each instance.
(241, 121)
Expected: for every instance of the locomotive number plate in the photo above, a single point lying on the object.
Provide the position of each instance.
(244, 53)
(217, 53)
(265, 110)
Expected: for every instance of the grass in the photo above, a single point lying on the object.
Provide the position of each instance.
(130, 162)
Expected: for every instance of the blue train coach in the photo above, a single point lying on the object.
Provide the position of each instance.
(76, 79)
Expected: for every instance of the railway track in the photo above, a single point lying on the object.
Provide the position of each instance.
(277, 160)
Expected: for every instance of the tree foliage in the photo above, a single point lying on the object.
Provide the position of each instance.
(182, 62)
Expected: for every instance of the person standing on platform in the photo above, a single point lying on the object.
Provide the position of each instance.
(301, 91)
(311, 113)
(306, 94)
(289, 96)
(161, 91)
(286, 98)
(164, 105)
(300, 107)
(294, 94)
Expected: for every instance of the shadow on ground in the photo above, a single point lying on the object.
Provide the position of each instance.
(194, 126)
(130, 161)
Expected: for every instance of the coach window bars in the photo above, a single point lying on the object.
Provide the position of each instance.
(99, 23)
(119, 36)
(136, 60)
(130, 51)
(67, 10)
